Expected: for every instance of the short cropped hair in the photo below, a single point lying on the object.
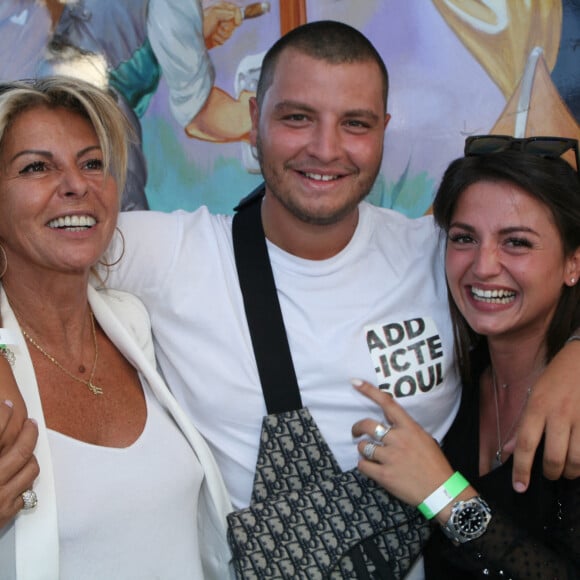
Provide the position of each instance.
(555, 184)
(328, 40)
(97, 106)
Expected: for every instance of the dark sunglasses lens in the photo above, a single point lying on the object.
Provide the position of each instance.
(549, 147)
(487, 144)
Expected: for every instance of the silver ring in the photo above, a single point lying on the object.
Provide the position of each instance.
(369, 450)
(29, 498)
(381, 431)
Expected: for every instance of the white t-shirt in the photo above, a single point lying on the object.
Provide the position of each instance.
(148, 528)
(376, 311)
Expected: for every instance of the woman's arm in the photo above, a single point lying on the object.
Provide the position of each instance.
(411, 465)
(18, 435)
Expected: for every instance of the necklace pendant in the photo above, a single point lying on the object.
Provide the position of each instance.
(94, 389)
(497, 462)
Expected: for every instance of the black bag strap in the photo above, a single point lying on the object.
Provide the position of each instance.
(267, 331)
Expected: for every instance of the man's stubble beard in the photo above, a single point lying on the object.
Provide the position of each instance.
(285, 199)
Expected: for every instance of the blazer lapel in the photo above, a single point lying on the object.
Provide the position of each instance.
(37, 529)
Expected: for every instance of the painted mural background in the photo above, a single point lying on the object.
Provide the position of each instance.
(457, 68)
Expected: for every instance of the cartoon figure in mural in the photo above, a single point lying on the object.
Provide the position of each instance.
(517, 43)
(127, 46)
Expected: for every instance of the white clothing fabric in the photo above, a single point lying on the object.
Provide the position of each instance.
(376, 311)
(175, 31)
(29, 547)
(144, 533)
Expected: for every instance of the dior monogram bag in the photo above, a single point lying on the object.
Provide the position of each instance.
(307, 519)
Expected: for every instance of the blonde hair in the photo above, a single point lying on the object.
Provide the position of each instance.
(97, 106)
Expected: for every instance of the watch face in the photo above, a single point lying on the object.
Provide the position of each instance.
(468, 520)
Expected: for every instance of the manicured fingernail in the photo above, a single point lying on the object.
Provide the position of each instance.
(356, 382)
(33, 421)
(519, 487)
(9, 403)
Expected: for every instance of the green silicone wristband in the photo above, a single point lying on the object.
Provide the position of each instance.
(443, 495)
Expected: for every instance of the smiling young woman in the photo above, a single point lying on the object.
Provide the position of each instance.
(512, 223)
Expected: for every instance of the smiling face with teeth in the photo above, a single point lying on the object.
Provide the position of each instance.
(319, 134)
(58, 210)
(505, 260)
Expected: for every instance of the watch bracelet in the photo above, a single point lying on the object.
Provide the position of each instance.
(452, 528)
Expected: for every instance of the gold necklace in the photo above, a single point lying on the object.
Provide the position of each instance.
(93, 388)
(500, 443)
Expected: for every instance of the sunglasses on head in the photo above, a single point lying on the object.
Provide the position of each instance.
(549, 147)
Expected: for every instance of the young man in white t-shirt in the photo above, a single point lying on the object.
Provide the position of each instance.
(361, 288)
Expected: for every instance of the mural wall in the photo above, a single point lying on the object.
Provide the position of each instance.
(184, 71)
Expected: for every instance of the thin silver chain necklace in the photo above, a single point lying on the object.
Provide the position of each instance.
(497, 460)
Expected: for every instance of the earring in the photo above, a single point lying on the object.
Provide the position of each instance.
(109, 264)
(5, 260)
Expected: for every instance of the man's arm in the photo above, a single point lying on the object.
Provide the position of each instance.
(553, 408)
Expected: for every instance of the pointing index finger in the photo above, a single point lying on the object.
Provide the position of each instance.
(392, 411)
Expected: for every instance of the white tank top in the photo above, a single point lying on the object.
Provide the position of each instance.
(128, 513)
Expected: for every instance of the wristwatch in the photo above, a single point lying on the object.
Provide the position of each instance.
(469, 520)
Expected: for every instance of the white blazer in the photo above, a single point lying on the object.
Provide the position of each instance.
(29, 547)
